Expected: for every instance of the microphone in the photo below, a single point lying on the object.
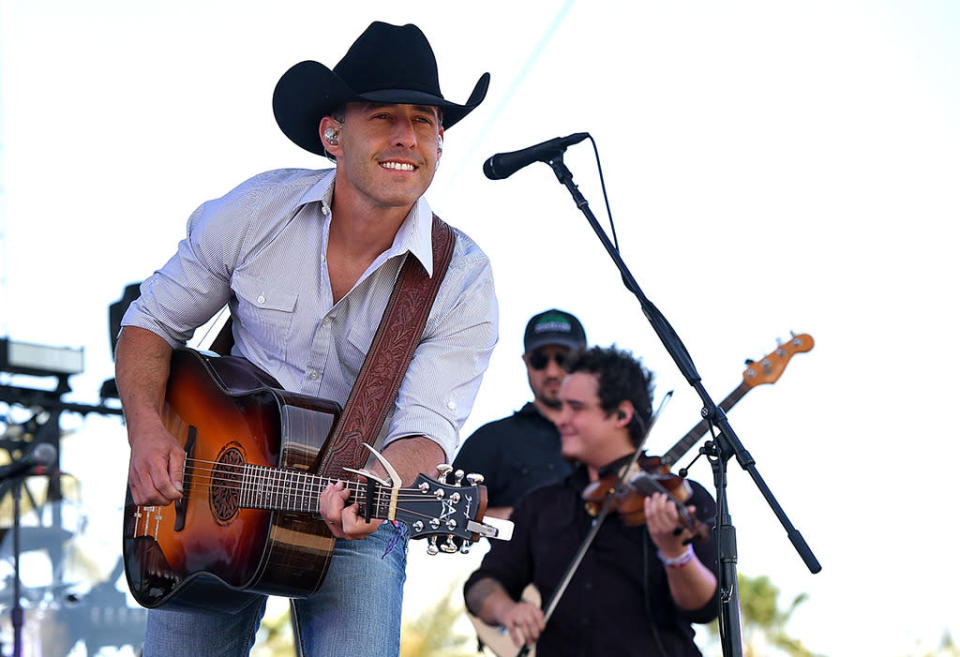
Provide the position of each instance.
(42, 455)
(503, 165)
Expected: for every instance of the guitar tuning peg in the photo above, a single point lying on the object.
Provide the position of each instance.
(449, 546)
(779, 342)
(474, 479)
(432, 548)
(749, 361)
(444, 469)
(792, 334)
(457, 477)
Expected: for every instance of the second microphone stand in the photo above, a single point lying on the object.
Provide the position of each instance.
(726, 445)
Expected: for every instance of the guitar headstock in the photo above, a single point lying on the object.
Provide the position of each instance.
(433, 508)
(769, 368)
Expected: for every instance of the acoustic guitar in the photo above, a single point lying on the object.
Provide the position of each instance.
(767, 370)
(249, 519)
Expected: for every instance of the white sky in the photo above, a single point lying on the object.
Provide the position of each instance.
(771, 167)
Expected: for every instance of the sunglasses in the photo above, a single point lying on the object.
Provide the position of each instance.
(538, 360)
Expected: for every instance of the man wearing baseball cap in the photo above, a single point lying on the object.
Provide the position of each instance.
(519, 453)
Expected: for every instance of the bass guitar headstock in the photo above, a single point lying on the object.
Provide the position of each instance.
(769, 368)
(435, 508)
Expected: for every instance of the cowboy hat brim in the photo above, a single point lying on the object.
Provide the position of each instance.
(308, 91)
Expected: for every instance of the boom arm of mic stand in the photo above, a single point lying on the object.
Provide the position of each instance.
(728, 442)
(660, 324)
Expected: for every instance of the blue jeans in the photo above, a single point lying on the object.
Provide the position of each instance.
(356, 612)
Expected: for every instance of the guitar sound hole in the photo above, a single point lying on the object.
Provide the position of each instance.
(225, 486)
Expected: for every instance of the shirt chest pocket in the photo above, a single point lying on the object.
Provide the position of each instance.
(265, 311)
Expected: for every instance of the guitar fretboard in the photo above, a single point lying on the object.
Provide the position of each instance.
(279, 489)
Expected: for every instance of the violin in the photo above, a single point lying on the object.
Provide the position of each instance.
(644, 478)
(652, 473)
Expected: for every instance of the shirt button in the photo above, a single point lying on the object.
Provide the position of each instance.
(313, 375)
(326, 321)
(261, 299)
(452, 405)
(323, 257)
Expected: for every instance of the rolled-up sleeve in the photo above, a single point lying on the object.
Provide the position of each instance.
(196, 282)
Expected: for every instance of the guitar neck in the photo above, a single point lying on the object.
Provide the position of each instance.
(697, 432)
(275, 489)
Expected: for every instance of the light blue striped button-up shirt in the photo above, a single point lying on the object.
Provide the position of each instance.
(262, 250)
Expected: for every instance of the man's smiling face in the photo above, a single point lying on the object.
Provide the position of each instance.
(387, 154)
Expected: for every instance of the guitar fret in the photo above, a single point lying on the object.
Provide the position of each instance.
(261, 492)
(260, 489)
(297, 491)
(294, 493)
(291, 493)
(305, 479)
(278, 492)
(245, 486)
(321, 485)
(271, 490)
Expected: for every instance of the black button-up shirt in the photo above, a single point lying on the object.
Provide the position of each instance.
(515, 454)
(618, 602)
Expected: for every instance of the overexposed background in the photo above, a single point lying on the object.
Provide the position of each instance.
(771, 167)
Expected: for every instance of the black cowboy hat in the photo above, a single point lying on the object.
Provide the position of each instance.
(386, 64)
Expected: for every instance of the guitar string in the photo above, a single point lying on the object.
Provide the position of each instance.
(269, 472)
(298, 497)
(360, 498)
(285, 486)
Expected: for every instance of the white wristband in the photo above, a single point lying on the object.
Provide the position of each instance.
(679, 561)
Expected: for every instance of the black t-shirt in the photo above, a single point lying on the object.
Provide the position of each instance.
(515, 455)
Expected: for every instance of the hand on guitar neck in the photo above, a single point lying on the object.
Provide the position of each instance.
(408, 456)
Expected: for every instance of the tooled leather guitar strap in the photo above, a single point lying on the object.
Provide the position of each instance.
(387, 360)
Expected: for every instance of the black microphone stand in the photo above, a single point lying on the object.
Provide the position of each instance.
(727, 443)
